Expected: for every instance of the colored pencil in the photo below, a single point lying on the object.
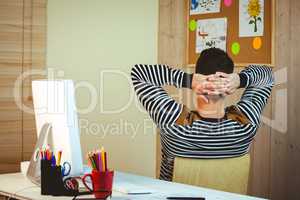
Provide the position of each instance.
(97, 160)
(105, 162)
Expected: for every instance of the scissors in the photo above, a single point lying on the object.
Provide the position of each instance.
(65, 169)
(71, 183)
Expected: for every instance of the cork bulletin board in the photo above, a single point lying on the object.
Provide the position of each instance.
(247, 54)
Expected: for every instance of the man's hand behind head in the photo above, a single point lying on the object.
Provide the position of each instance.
(232, 81)
(208, 85)
(215, 84)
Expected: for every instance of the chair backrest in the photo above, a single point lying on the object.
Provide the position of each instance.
(226, 174)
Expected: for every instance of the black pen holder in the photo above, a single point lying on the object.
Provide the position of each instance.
(46, 177)
(52, 181)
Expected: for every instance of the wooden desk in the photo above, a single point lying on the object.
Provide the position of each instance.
(16, 186)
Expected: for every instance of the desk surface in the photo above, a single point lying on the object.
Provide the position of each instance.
(19, 187)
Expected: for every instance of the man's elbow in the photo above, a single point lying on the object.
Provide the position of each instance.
(133, 72)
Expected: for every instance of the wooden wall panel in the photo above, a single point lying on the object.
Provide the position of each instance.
(22, 48)
(11, 38)
(285, 146)
(171, 44)
(34, 59)
(27, 139)
(279, 140)
(293, 152)
(172, 32)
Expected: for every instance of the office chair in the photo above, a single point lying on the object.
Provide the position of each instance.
(227, 174)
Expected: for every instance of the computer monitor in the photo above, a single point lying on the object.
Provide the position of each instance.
(54, 104)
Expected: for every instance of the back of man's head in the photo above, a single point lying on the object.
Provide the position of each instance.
(214, 60)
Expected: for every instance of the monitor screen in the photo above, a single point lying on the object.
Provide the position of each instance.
(54, 103)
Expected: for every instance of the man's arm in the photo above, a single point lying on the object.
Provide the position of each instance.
(258, 82)
(148, 81)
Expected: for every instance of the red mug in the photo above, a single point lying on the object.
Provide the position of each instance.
(102, 183)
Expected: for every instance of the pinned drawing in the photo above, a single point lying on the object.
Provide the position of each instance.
(251, 18)
(204, 6)
(211, 33)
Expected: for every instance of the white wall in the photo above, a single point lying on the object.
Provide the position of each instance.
(87, 37)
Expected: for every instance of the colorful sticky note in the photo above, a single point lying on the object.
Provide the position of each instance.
(257, 43)
(193, 25)
(227, 3)
(235, 48)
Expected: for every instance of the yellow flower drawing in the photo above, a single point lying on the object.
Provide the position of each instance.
(254, 10)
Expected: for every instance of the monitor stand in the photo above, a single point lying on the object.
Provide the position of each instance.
(44, 139)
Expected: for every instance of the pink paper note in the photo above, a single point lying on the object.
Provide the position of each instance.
(227, 2)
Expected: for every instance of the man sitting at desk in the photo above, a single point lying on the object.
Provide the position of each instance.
(213, 130)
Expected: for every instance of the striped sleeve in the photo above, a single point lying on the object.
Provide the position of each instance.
(258, 82)
(148, 81)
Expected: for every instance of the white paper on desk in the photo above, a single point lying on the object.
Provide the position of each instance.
(160, 196)
(131, 189)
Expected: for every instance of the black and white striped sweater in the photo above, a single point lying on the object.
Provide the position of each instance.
(202, 138)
